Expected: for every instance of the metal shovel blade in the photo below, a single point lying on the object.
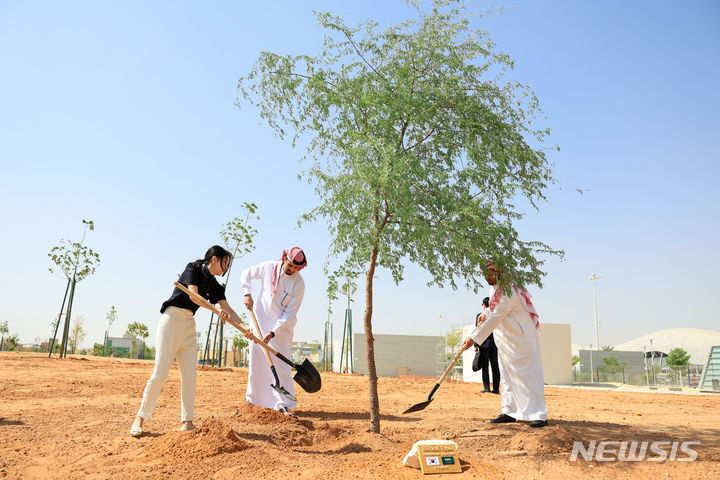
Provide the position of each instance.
(281, 390)
(307, 376)
(417, 407)
(421, 406)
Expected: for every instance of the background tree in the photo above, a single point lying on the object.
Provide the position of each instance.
(421, 151)
(110, 317)
(77, 333)
(3, 331)
(239, 344)
(136, 329)
(238, 235)
(575, 360)
(76, 261)
(677, 357)
(612, 365)
(12, 342)
(607, 348)
(98, 349)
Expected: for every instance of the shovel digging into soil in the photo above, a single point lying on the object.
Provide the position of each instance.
(306, 374)
(421, 406)
(279, 388)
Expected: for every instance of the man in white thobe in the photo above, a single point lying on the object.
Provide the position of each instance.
(513, 321)
(278, 301)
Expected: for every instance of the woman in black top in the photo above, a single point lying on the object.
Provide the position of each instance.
(176, 334)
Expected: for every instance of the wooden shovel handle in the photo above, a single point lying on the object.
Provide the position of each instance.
(447, 370)
(257, 327)
(214, 309)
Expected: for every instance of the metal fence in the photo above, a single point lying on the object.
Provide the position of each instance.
(682, 376)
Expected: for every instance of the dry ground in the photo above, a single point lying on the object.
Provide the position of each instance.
(69, 419)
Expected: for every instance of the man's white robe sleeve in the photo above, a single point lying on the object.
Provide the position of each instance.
(502, 310)
(248, 275)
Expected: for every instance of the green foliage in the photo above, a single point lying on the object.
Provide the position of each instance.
(575, 360)
(419, 151)
(611, 361)
(74, 258)
(98, 349)
(239, 342)
(137, 329)
(612, 365)
(149, 353)
(3, 331)
(677, 357)
(453, 339)
(238, 234)
(607, 348)
(12, 342)
(348, 287)
(77, 333)
(111, 316)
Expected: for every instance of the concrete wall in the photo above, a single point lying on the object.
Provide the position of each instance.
(407, 354)
(633, 359)
(555, 349)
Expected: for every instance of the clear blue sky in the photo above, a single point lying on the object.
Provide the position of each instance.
(122, 112)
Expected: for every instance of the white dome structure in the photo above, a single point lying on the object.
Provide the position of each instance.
(693, 340)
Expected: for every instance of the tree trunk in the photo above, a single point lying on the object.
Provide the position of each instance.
(370, 343)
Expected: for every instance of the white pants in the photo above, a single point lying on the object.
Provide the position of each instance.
(260, 378)
(175, 339)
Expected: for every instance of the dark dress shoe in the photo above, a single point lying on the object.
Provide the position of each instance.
(495, 392)
(538, 423)
(502, 418)
(485, 391)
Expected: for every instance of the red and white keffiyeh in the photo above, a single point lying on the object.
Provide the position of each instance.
(527, 303)
(288, 254)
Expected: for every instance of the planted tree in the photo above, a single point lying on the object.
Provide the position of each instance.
(677, 357)
(76, 262)
(421, 151)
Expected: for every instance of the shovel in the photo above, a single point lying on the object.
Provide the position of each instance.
(306, 374)
(421, 406)
(279, 388)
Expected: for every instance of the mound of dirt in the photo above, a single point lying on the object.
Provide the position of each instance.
(553, 439)
(265, 416)
(212, 438)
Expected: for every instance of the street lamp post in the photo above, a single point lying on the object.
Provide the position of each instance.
(594, 277)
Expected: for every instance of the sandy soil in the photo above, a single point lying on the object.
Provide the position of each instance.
(69, 419)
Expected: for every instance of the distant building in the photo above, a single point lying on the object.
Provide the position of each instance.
(310, 350)
(694, 341)
(122, 346)
(397, 355)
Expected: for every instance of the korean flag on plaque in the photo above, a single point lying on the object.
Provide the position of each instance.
(432, 460)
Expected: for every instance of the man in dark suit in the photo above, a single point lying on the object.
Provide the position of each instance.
(488, 354)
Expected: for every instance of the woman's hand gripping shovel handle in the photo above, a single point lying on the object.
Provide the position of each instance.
(306, 375)
(214, 309)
